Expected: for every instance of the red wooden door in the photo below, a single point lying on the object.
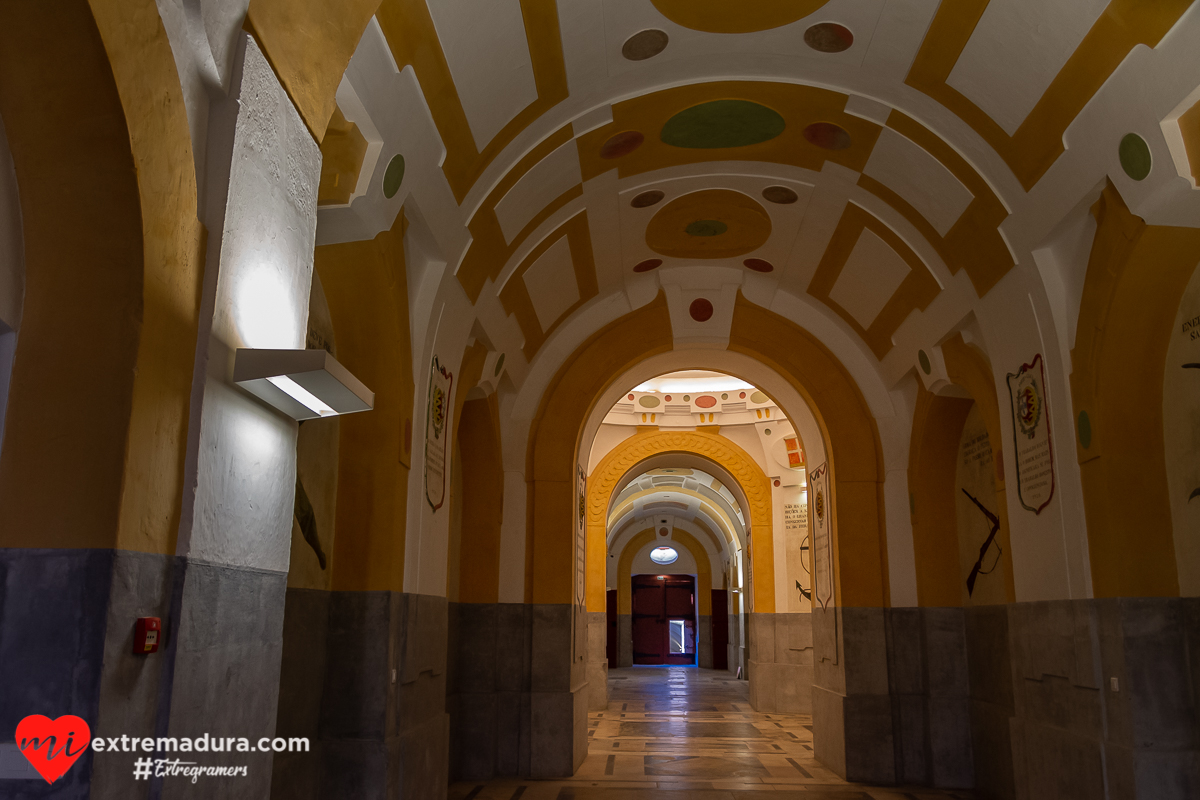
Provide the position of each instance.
(664, 619)
(720, 628)
(611, 644)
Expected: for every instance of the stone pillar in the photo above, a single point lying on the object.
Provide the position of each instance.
(224, 651)
(704, 644)
(781, 663)
(625, 640)
(928, 681)
(384, 731)
(488, 697)
(852, 707)
(558, 693)
(597, 661)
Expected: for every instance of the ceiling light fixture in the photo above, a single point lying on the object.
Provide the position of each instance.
(304, 384)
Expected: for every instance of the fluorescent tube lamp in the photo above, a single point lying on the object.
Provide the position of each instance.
(304, 384)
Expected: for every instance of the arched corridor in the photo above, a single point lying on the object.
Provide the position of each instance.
(395, 393)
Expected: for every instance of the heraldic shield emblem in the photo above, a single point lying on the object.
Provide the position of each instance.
(436, 414)
(1031, 435)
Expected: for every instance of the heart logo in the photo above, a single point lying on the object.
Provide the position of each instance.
(53, 745)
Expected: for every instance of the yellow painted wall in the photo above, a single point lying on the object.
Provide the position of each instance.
(937, 425)
(367, 290)
(967, 366)
(97, 415)
(309, 43)
(483, 501)
(1136, 275)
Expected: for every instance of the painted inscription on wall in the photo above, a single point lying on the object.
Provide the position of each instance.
(1181, 435)
(1031, 435)
(797, 540)
(795, 517)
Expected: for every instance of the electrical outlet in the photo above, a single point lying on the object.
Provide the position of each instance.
(1114, 684)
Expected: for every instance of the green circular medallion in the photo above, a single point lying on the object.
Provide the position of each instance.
(706, 227)
(393, 176)
(1135, 156)
(722, 123)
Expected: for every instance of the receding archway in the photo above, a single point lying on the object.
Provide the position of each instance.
(645, 445)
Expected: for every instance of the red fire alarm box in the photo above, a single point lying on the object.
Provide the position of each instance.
(146, 634)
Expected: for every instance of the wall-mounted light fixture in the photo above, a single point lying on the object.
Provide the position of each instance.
(304, 384)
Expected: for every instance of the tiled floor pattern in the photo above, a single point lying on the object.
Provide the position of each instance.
(678, 732)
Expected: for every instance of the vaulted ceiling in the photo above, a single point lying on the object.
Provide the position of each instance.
(885, 165)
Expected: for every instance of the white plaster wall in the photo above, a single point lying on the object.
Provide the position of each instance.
(426, 543)
(642, 565)
(242, 454)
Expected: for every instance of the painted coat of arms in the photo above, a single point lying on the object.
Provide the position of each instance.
(1031, 435)
(818, 485)
(437, 415)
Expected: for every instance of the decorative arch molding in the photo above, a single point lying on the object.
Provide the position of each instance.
(707, 509)
(648, 444)
(697, 463)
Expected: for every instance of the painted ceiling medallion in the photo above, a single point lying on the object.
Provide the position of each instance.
(393, 176)
(732, 16)
(621, 144)
(780, 195)
(706, 227)
(701, 310)
(645, 44)
(759, 265)
(722, 123)
(1135, 156)
(827, 136)
(648, 264)
(647, 199)
(712, 223)
(828, 37)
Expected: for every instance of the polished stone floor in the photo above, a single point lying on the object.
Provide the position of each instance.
(676, 732)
